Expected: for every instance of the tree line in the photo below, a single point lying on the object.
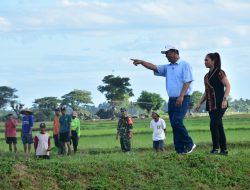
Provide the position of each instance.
(117, 91)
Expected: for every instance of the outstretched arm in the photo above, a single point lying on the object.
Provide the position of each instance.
(146, 64)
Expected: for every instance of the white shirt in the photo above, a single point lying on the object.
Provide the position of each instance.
(43, 144)
(158, 129)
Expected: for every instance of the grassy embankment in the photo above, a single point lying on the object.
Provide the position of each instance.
(99, 163)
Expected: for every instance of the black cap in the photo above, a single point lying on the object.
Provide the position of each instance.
(42, 125)
(57, 109)
(63, 108)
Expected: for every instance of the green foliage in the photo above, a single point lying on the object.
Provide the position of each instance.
(240, 105)
(7, 94)
(149, 101)
(76, 98)
(116, 88)
(46, 103)
(195, 98)
(104, 113)
(44, 108)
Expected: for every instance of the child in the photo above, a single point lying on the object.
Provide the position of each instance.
(159, 128)
(10, 132)
(42, 143)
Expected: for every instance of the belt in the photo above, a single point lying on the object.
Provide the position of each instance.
(186, 96)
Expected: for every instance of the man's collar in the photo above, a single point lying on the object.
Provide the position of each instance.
(177, 62)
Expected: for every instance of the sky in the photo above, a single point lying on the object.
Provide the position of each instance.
(51, 47)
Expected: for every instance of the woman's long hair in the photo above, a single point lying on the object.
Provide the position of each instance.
(216, 58)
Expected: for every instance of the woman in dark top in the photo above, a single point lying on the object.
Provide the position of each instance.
(217, 89)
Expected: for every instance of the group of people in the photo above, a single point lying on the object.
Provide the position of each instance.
(179, 81)
(66, 130)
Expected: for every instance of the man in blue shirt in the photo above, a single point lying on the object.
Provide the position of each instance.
(179, 78)
(26, 133)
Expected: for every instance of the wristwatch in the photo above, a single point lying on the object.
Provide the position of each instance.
(225, 98)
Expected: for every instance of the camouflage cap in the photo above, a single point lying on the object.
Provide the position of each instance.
(123, 109)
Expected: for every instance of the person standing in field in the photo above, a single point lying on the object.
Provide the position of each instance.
(124, 131)
(65, 131)
(75, 130)
(26, 133)
(56, 126)
(159, 128)
(42, 143)
(10, 132)
(217, 89)
(179, 80)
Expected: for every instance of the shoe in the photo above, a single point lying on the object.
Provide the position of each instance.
(214, 151)
(224, 152)
(191, 150)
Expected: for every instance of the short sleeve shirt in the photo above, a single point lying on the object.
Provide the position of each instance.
(65, 121)
(27, 123)
(158, 129)
(176, 75)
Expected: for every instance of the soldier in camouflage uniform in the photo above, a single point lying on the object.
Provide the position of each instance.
(124, 130)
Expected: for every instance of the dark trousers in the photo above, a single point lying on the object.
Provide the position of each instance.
(74, 139)
(182, 141)
(217, 129)
(56, 141)
(125, 144)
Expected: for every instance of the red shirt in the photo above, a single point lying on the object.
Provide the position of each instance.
(10, 127)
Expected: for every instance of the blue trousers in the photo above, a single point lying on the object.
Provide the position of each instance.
(182, 141)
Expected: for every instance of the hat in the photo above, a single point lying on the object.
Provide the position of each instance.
(25, 110)
(74, 113)
(155, 112)
(167, 48)
(123, 109)
(42, 125)
(57, 109)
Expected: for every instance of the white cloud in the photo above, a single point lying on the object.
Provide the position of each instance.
(5, 25)
(233, 5)
(224, 41)
(242, 30)
(158, 9)
(68, 3)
